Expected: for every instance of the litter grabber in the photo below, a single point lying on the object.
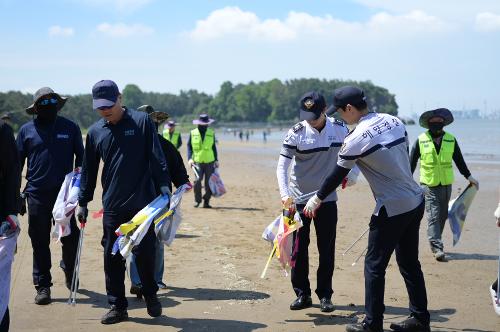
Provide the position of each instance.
(76, 270)
(356, 241)
(360, 255)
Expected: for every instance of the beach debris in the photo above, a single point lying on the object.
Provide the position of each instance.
(457, 211)
(65, 205)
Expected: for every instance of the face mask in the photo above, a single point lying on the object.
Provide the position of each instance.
(47, 113)
(436, 128)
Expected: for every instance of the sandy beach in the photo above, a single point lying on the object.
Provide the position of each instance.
(212, 269)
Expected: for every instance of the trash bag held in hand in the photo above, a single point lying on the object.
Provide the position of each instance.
(216, 184)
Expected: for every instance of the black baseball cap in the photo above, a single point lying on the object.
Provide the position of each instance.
(348, 95)
(104, 94)
(311, 106)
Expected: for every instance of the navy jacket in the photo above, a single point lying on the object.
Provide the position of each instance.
(133, 163)
(10, 173)
(51, 150)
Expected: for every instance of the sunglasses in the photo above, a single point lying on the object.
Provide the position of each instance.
(45, 102)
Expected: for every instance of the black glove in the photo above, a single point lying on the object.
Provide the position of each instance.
(82, 213)
(22, 204)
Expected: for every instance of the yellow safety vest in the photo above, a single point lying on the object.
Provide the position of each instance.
(436, 169)
(174, 139)
(202, 149)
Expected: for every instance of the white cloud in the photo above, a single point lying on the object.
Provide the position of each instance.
(123, 30)
(487, 22)
(56, 30)
(234, 22)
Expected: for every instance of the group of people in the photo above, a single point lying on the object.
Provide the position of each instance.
(323, 154)
(138, 165)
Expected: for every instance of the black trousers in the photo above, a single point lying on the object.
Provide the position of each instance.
(325, 225)
(4, 324)
(114, 265)
(204, 172)
(39, 233)
(399, 233)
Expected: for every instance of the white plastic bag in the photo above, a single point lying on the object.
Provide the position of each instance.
(216, 185)
(66, 203)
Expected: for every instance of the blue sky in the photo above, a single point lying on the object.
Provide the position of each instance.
(429, 53)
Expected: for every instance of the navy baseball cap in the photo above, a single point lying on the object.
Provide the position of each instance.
(348, 95)
(311, 106)
(104, 94)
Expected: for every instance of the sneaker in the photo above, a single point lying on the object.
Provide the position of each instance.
(161, 285)
(326, 305)
(114, 315)
(43, 296)
(361, 327)
(440, 256)
(153, 305)
(301, 302)
(411, 324)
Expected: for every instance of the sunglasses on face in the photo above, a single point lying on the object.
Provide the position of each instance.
(45, 102)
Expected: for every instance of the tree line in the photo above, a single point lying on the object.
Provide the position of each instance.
(272, 101)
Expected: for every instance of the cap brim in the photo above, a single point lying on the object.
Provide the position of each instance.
(98, 103)
(308, 116)
(331, 109)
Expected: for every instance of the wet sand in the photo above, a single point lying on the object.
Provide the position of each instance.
(212, 269)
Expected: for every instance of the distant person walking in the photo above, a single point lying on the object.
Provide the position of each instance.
(133, 166)
(172, 135)
(240, 134)
(264, 136)
(436, 150)
(53, 147)
(202, 157)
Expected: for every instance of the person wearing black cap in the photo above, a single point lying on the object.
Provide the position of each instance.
(379, 147)
(436, 149)
(179, 177)
(134, 165)
(53, 147)
(202, 157)
(172, 135)
(311, 147)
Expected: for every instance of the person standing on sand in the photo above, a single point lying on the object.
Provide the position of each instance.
(202, 157)
(179, 177)
(134, 165)
(53, 147)
(10, 181)
(436, 150)
(171, 135)
(311, 147)
(379, 147)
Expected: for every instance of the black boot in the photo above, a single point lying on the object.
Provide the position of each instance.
(301, 302)
(43, 296)
(326, 305)
(411, 324)
(206, 205)
(114, 315)
(362, 327)
(153, 305)
(136, 290)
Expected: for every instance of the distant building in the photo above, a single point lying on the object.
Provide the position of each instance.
(466, 114)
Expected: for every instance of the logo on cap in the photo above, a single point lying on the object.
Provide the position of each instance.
(309, 103)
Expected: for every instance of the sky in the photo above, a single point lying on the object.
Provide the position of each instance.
(429, 53)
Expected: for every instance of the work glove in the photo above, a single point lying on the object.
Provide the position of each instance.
(425, 189)
(473, 182)
(312, 205)
(77, 169)
(288, 204)
(165, 191)
(189, 186)
(22, 204)
(216, 164)
(9, 226)
(82, 213)
(497, 214)
(191, 162)
(352, 178)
